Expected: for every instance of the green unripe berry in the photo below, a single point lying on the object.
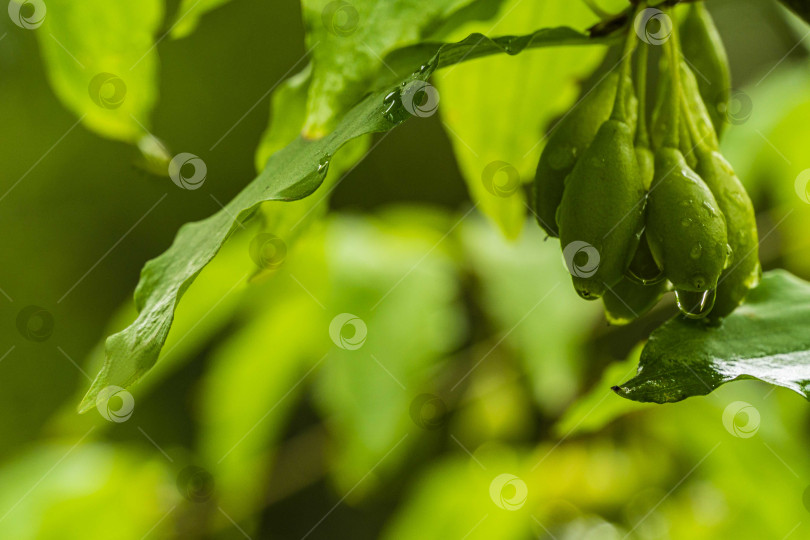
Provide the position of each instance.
(686, 230)
(569, 139)
(602, 207)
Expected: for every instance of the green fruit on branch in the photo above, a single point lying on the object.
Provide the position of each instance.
(744, 269)
(664, 123)
(601, 212)
(704, 50)
(646, 165)
(565, 145)
(686, 230)
(695, 113)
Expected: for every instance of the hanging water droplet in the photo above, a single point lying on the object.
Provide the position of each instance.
(323, 164)
(696, 251)
(647, 276)
(695, 305)
(729, 256)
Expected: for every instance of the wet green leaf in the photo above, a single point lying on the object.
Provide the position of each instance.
(348, 41)
(766, 339)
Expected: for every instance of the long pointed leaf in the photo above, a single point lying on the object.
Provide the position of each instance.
(292, 173)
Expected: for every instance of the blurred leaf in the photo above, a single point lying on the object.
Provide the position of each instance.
(348, 41)
(189, 14)
(58, 491)
(800, 7)
(291, 173)
(452, 500)
(763, 339)
(599, 407)
(504, 493)
(102, 63)
(394, 275)
(496, 112)
(496, 405)
(255, 379)
(526, 291)
(763, 142)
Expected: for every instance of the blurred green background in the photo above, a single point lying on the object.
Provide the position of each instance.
(479, 358)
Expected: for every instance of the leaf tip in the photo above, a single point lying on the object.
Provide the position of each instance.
(88, 402)
(91, 397)
(619, 390)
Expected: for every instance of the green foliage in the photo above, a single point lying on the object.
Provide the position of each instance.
(69, 497)
(302, 435)
(102, 62)
(292, 173)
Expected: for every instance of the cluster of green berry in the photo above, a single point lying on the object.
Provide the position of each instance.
(642, 212)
